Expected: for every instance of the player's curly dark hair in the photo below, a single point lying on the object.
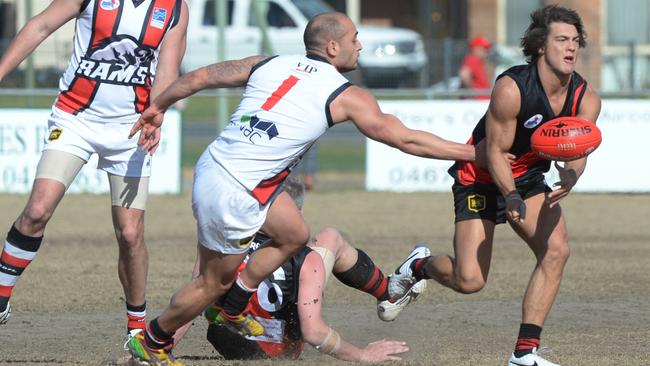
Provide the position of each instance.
(539, 28)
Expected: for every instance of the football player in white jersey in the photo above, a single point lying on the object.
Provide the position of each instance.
(119, 46)
(288, 103)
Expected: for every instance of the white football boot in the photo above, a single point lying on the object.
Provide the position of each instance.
(402, 279)
(4, 316)
(530, 359)
(388, 310)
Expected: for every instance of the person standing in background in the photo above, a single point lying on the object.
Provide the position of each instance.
(472, 72)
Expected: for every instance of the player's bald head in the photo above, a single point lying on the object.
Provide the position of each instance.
(323, 28)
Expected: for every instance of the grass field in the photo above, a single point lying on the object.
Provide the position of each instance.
(68, 306)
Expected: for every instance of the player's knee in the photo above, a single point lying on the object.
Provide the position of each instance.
(329, 238)
(129, 235)
(557, 254)
(35, 215)
(470, 284)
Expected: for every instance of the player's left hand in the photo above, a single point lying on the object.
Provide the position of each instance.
(568, 179)
(383, 350)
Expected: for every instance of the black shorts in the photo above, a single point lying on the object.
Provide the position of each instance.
(484, 201)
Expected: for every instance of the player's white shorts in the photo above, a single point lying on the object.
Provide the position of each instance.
(227, 215)
(117, 154)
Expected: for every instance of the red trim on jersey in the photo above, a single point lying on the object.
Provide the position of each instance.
(77, 96)
(266, 188)
(152, 37)
(142, 96)
(576, 96)
(82, 90)
(523, 163)
(470, 173)
(14, 261)
(5, 291)
(280, 92)
(104, 24)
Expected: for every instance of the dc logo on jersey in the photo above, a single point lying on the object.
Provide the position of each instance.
(257, 127)
(158, 18)
(118, 60)
(533, 121)
(110, 4)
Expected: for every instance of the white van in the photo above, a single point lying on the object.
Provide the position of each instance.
(390, 56)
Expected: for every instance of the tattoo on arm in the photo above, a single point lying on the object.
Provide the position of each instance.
(231, 70)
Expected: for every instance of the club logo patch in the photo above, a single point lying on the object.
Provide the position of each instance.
(109, 5)
(158, 18)
(476, 202)
(55, 134)
(533, 121)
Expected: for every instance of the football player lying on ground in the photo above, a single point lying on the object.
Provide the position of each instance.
(289, 303)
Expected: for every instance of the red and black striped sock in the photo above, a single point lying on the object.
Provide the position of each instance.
(19, 251)
(529, 339)
(365, 276)
(136, 317)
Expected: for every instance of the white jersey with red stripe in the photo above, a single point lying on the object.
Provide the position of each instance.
(284, 110)
(113, 63)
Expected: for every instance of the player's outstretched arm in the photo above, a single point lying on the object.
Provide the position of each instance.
(36, 30)
(317, 333)
(233, 73)
(361, 107)
(571, 171)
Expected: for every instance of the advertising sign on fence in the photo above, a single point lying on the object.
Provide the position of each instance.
(22, 136)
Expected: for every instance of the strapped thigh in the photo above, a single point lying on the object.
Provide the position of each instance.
(129, 192)
(59, 165)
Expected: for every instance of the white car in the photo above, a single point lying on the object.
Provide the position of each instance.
(390, 56)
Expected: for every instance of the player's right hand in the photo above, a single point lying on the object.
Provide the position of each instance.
(149, 126)
(383, 350)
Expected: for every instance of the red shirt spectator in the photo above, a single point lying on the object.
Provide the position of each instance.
(472, 72)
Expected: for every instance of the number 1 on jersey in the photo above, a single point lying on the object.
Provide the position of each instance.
(280, 92)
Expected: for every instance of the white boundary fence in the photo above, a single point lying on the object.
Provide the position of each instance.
(22, 135)
(619, 164)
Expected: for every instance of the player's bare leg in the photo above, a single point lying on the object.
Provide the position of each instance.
(216, 273)
(286, 226)
(133, 262)
(545, 232)
(345, 255)
(467, 272)
(55, 171)
(45, 197)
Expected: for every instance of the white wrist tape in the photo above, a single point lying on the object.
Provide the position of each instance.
(331, 343)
